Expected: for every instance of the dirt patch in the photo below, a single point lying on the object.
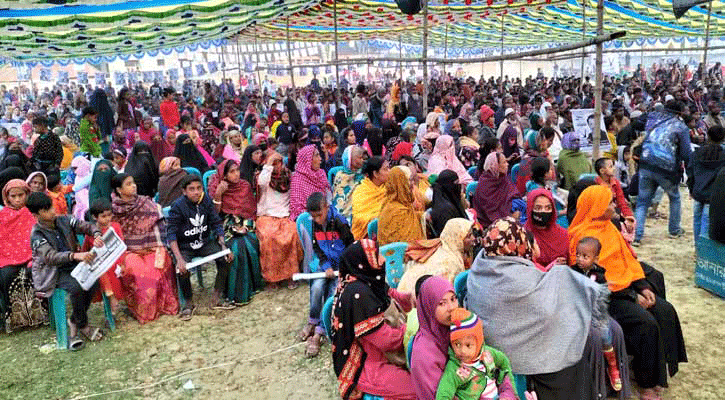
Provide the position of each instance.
(241, 342)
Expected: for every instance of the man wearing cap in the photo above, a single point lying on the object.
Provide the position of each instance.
(511, 120)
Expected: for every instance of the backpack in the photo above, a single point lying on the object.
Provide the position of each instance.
(659, 147)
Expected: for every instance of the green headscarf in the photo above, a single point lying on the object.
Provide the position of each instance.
(101, 182)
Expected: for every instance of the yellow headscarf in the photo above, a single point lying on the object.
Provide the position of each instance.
(399, 221)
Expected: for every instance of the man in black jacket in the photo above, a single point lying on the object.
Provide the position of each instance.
(191, 225)
(707, 161)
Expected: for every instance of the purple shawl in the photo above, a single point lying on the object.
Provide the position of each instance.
(493, 196)
(430, 344)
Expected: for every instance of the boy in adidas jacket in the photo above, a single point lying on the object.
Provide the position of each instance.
(195, 229)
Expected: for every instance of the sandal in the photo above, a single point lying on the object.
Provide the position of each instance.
(95, 336)
(224, 305)
(75, 343)
(313, 345)
(649, 394)
(292, 285)
(306, 332)
(187, 313)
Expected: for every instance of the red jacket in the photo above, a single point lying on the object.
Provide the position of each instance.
(170, 114)
(619, 198)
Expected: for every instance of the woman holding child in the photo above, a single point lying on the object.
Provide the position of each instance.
(147, 272)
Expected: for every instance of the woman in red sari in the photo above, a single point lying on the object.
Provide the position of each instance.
(147, 274)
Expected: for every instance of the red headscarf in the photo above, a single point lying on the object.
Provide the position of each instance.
(15, 227)
(553, 240)
(486, 113)
(238, 199)
(402, 149)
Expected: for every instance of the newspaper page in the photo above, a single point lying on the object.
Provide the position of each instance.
(106, 256)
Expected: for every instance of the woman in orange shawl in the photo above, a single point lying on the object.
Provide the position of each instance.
(651, 326)
(399, 221)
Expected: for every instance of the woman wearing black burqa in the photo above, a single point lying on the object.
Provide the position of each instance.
(143, 168)
(99, 102)
(189, 155)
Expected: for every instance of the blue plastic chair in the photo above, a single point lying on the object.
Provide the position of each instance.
(199, 277)
(304, 224)
(57, 315)
(165, 211)
(460, 286)
(326, 316)
(472, 170)
(470, 190)
(587, 176)
(192, 170)
(373, 229)
(331, 174)
(515, 172)
(394, 254)
(206, 177)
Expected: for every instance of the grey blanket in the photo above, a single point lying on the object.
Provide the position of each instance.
(540, 320)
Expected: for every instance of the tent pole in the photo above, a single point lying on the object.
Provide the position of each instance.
(337, 60)
(256, 51)
(223, 67)
(502, 15)
(596, 135)
(425, 57)
(584, 37)
(707, 34)
(400, 55)
(289, 58)
(239, 62)
(445, 48)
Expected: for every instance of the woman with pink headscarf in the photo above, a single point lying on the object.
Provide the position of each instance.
(444, 157)
(308, 178)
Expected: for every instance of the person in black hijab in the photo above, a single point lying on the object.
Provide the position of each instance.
(446, 201)
(295, 118)
(142, 167)
(14, 157)
(10, 173)
(248, 167)
(189, 155)
(99, 102)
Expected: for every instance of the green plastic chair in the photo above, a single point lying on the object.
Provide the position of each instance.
(199, 278)
(57, 316)
(192, 170)
(394, 254)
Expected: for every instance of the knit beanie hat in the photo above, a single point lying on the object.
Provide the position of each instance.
(465, 323)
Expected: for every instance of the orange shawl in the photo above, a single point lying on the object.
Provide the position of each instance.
(399, 221)
(616, 257)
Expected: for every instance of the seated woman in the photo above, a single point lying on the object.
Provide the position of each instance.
(147, 274)
(435, 301)
(189, 154)
(279, 244)
(100, 187)
(538, 144)
(170, 180)
(552, 239)
(309, 177)
(187, 128)
(444, 158)
(19, 307)
(38, 182)
(495, 193)
(144, 169)
(442, 257)
(447, 202)
(346, 180)
(399, 221)
(234, 200)
(553, 312)
(368, 197)
(651, 326)
(362, 336)
(235, 147)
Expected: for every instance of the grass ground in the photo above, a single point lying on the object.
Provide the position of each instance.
(240, 343)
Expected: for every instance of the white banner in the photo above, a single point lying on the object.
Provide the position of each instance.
(583, 121)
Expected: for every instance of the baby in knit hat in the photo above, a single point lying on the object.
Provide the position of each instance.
(474, 371)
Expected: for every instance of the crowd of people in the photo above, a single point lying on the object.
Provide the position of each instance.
(491, 179)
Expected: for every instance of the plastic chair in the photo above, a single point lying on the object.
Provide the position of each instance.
(515, 172)
(587, 176)
(304, 228)
(205, 179)
(394, 254)
(373, 229)
(326, 316)
(192, 170)
(460, 286)
(472, 170)
(470, 190)
(199, 278)
(165, 211)
(332, 173)
(57, 316)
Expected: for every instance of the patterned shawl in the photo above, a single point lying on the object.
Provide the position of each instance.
(15, 227)
(238, 199)
(399, 221)
(141, 221)
(305, 181)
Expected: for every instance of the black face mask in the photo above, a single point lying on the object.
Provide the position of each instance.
(541, 218)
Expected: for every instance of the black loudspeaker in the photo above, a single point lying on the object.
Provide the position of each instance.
(680, 7)
(409, 7)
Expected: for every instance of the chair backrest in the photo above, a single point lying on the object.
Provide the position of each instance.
(472, 170)
(304, 229)
(326, 316)
(165, 211)
(709, 265)
(394, 254)
(373, 229)
(192, 170)
(331, 174)
(460, 284)
(470, 190)
(587, 176)
(515, 172)
(206, 177)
